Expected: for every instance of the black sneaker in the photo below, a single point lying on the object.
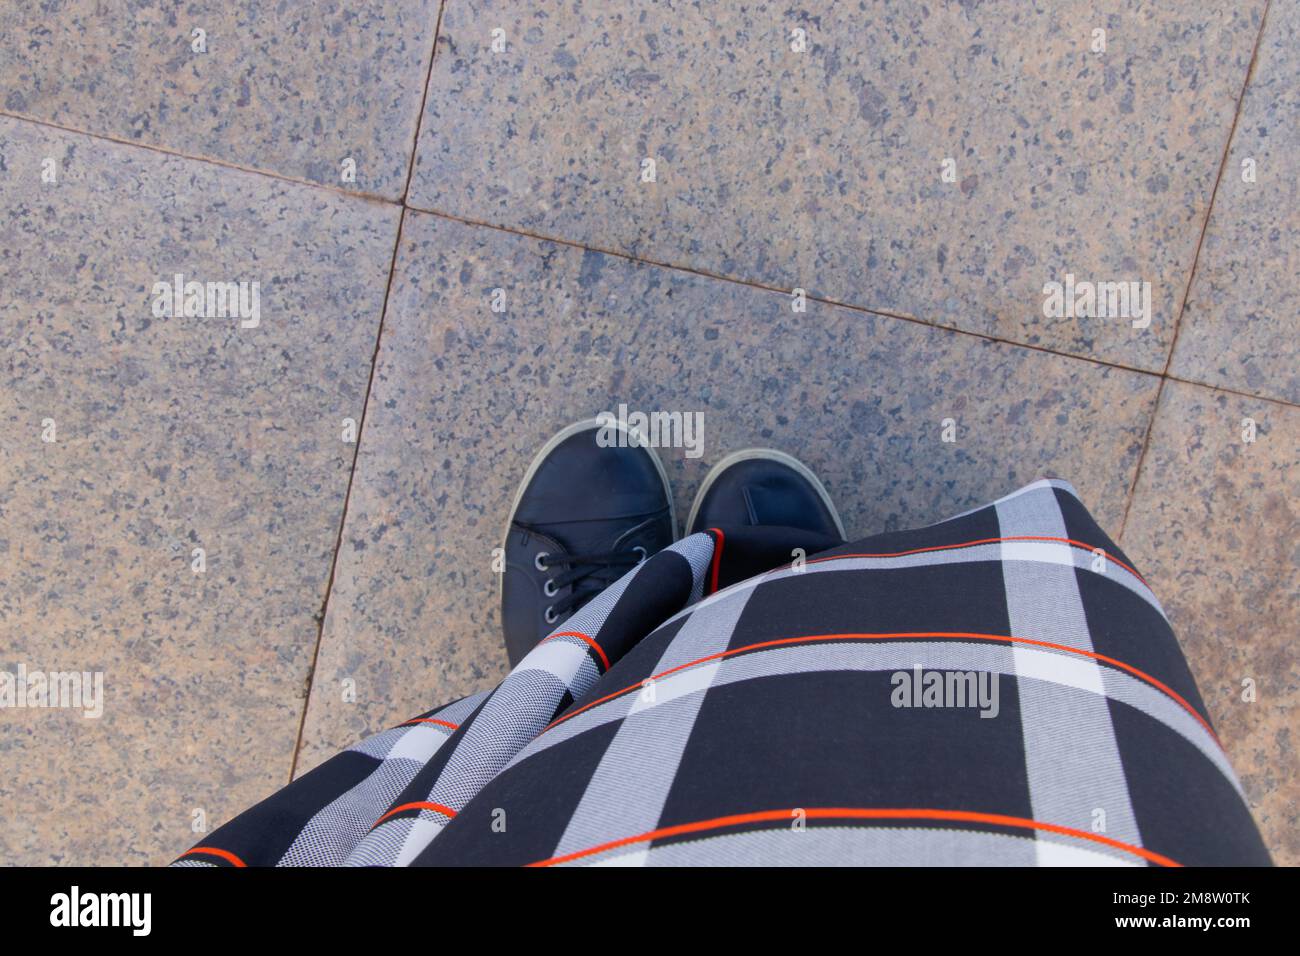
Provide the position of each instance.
(761, 486)
(583, 516)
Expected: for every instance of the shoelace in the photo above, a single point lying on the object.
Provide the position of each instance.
(588, 573)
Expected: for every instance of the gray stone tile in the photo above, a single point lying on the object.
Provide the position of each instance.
(1214, 527)
(463, 397)
(823, 169)
(169, 434)
(1240, 327)
(290, 88)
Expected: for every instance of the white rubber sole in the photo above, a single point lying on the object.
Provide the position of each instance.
(634, 438)
(769, 454)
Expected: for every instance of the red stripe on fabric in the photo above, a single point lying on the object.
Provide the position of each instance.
(857, 813)
(429, 720)
(596, 647)
(718, 542)
(214, 851)
(418, 805)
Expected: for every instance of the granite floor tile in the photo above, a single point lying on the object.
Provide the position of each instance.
(1214, 527)
(294, 89)
(463, 397)
(829, 170)
(130, 436)
(1240, 327)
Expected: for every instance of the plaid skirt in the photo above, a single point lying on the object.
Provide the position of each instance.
(999, 688)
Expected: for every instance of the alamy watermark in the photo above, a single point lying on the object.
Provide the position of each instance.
(656, 429)
(922, 688)
(74, 690)
(208, 300)
(133, 911)
(1125, 299)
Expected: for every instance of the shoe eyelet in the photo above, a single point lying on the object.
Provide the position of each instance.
(549, 589)
(539, 562)
(644, 553)
(551, 616)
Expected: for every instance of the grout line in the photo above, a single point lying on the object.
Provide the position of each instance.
(424, 103)
(834, 303)
(1214, 193)
(365, 406)
(765, 287)
(1166, 379)
(1142, 457)
(1284, 402)
(1191, 277)
(347, 500)
(210, 160)
(690, 270)
(403, 202)
(1164, 374)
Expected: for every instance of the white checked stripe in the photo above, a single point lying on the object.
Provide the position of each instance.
(1067, 670)
(420, 743)
(690, 681)
(1066, 787)
(1056, 668)
(630, 785)
(559, 657)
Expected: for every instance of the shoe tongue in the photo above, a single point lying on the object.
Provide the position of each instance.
(768, 506)
(587, 537)
(561, 507)
(639, 534)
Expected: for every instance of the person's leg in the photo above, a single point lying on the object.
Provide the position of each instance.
(808, 711)
(585, 513)
(318, 819)
(998, 688)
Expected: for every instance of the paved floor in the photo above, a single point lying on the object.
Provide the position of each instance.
(464, 239)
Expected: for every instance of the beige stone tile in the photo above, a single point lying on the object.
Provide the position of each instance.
(1241, 329)
(823, 169)
(1214, 527)
(170, 433)
(463, 397)
(291, 88)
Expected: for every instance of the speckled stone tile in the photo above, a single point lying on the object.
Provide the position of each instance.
(824, 170)
(291, 88)
(1240, 327)
(1214, 527)
(463, 397)
(168, 434)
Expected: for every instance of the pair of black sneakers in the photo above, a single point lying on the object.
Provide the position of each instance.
(593, 504)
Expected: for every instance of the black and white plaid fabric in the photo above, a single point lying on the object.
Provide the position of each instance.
(999, 688)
